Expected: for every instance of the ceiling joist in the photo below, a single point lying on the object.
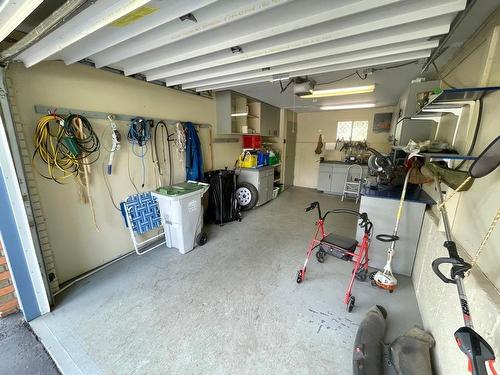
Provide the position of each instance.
(12, 13)
(280, 21)
(406, 33)
(211, 17)
(215, 43)
(370, 53)
(400, 58)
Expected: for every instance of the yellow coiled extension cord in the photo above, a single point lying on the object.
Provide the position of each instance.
(51, 149)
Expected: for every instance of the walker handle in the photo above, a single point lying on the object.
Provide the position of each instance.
(312, 206)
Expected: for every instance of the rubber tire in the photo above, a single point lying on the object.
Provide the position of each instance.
(361, 276)
(351, 303)
(320, 256)
(299, 277)
(254, 195)
(201, 239)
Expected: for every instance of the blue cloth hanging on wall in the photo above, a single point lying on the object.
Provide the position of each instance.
(194, 158)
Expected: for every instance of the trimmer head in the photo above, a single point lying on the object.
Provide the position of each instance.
(385, 280)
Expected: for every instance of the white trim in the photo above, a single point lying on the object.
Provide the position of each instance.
(20, 216)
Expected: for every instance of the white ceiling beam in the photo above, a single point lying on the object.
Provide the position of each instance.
(362, 22)
(411, 31)
(12, 13)
(284, 19)
(93, 18)
(160, 13)
(392, 49)
(216, 16)
(326, 69)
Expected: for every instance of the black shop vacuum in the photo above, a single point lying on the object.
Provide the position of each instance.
(223, 206)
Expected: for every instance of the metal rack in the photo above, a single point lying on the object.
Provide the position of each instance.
(451, 101)
(45, 109)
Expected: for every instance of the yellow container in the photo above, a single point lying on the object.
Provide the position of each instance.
(247, 160)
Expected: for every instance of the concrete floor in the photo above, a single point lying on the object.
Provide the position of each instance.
(20, 351)
(230, 307)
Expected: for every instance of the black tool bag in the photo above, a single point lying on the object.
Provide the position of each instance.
(222, 205)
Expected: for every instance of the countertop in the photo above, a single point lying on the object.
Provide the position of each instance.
(341, 162)
(261, 168)
(414, 193)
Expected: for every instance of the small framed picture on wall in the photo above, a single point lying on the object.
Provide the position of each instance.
(382, 122)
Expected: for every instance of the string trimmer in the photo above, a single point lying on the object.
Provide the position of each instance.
(477, 350)
(385, 279)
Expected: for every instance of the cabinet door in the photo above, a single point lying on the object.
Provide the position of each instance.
(269, 119)
(338, 181)
(223, 110)
(324, 180)
(262, 188)
(270, 184)
(263, 192)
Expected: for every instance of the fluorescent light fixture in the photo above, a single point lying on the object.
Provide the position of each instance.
(239, 114)
(323, 93)
(346, 106)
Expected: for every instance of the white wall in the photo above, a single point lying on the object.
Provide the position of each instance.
(76, 244)
(471, 213)
(312, 124)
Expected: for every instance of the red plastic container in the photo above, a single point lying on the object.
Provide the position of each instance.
(252, 141)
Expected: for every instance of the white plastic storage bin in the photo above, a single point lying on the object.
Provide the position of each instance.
(181, 214)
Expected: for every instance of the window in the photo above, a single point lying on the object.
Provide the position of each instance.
(352, 130)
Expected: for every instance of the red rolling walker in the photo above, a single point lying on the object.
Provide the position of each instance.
(340, 247)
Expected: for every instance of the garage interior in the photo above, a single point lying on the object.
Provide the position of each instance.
(164, 163)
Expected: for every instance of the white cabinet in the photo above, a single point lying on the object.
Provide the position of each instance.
(324, 180)
(331, 177)
(269, 120)
(236, 112)
(262, 179)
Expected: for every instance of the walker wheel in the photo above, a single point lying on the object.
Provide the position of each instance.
(320, 256)
(374, 283)
(361, 274)
(391, 290)
(299, 277)
(351, 303)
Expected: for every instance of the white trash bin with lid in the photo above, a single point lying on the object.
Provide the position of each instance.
(182, 214)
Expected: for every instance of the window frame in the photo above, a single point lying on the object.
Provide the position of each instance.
(352, 123)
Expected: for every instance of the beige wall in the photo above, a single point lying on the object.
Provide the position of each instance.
(471, 213)
(76, 244)
(312, 124)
